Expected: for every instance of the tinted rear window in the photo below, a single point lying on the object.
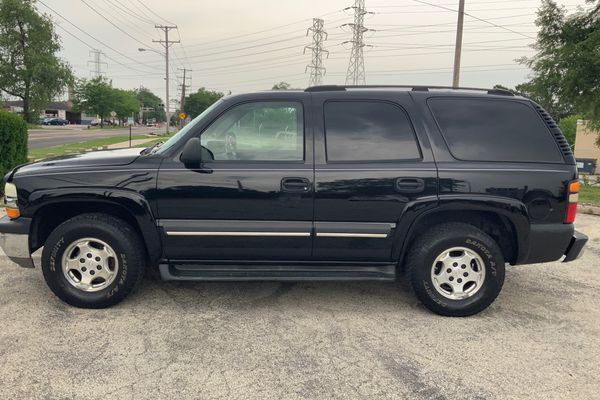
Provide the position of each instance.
(368, 131)
(494, 130)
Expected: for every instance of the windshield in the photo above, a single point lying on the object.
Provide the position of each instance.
(183, 131)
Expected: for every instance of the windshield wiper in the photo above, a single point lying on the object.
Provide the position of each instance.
(151, 149)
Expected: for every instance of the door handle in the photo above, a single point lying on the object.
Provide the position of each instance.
(295, 185)
(410, 185)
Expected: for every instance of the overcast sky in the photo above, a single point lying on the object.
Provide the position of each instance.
(242, 45)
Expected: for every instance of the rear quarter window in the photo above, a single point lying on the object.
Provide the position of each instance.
(494, 130)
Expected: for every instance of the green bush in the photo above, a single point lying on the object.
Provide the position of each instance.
(13, 142)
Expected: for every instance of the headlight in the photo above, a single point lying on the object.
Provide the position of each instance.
(10, 200)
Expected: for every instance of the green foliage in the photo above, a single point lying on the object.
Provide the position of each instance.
(13, 142)
(29, 67)
(197, 102)
(282, 86)
(95, 96)
(126, 103)
(147, 99)
(568, 126)
(566, 67)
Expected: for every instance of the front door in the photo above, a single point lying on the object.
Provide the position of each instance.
(254, 200)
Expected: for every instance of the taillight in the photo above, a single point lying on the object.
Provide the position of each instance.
(573, 199)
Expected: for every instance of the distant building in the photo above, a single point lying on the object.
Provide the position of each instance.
(60, 109)
(587, 152)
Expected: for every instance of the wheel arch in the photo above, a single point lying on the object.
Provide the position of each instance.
(48, 210)
(505, 220)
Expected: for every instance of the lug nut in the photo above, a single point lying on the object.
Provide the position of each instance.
(451, 278)
(89, 255)
(83, 269)
(82, 260)
(99, 267)
(466, 274)
(463, 266)
(455, 264)
(92, 272)
(459, 280)
(97, 258)
(448, 270)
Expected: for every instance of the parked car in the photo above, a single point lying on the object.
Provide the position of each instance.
(443, 187)
(95, 122)
(55, 121)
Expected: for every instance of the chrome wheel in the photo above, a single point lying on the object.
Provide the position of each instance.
(90, 264)
(458, 273)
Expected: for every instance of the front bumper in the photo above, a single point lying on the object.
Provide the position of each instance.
(576, 247)
(14, 240)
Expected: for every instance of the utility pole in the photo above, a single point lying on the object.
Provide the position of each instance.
(184, 86)
(96, 62)
(166, 44)
(458, 46)
(316, 67)
(356, 67)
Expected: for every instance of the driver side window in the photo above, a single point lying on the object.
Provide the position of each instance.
(257, 131)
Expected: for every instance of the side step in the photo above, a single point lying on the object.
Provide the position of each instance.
(277, 272)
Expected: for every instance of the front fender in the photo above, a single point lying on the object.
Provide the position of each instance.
(129, 201)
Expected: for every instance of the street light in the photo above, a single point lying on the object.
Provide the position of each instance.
(167, 108)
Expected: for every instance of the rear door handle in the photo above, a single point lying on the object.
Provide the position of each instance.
(295, 185)
(410, 185)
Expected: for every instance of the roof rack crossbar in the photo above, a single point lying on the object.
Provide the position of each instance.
(414, 88)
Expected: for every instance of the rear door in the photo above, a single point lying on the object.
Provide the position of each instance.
(369, 166)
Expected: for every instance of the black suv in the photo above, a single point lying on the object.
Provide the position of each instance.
(442, 185)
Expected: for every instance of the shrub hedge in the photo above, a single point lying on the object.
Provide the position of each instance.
(13, 142)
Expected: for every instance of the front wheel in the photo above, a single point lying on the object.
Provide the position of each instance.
(93, 260)
(456, 269)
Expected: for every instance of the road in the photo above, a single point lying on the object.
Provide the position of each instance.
(539, 340)
(57, 135)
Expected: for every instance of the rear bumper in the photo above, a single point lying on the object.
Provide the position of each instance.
(14, 240)
(551, 242)
(576, 246)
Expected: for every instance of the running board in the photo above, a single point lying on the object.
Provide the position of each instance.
(277, 272)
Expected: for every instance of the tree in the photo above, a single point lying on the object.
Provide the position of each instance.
(281, 86)
(126, 103)
(566, 67)
(29, 67)
(147, 99)
(95, 96)
(197, 102)
(568, 126)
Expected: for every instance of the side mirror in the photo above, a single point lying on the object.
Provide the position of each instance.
(192, 153)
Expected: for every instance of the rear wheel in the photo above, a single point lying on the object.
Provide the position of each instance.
(93, 260)
(456, 269)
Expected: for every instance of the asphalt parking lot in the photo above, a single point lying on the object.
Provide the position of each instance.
(540, 339)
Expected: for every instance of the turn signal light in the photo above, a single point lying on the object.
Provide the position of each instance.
(574, 187)
(13, 213)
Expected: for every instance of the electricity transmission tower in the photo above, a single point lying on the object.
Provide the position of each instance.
(316, 67)
(356, 67)
(96, 63)
(166, 44)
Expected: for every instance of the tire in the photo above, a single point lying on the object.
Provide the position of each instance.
(452, 250)
(112, 242)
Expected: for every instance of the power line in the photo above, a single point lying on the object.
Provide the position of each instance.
(112, 23)
(94, 38)
(152, 11)
(474, 17)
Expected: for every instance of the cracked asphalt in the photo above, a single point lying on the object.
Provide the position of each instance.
(539, 340)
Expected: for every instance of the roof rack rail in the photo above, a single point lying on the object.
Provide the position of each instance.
(414, 88)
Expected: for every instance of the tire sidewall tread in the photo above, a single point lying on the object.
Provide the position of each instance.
(428, 246)
(114, 231)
